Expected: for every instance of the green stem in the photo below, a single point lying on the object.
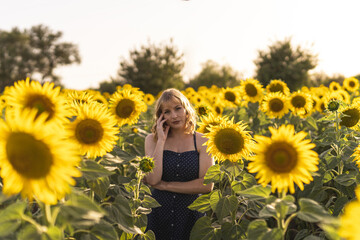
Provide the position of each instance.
(48, 214)
(337, 126)
(33, 222)
(334, 189)
(287, 222)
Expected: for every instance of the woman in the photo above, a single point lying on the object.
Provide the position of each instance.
(181, 162)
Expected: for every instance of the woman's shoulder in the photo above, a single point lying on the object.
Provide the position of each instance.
(200, 138)
(150, 137)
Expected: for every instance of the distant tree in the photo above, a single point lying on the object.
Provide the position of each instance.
(214, 74)
(33, 53)
(109, 86)
(317, 79)
(153, 68)
(282, 61)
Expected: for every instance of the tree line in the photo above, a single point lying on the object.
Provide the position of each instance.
(37, 51)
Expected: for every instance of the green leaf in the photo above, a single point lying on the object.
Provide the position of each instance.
(92, 170)
(104, 231)
(149, 202)
(230, 231)
(80, 211)
(145, 189)
(256, 192)
(201, 204)
(258, 230)
(100, 186)
(346, 179)
(120, 213)
(311, 211)
(54, 233)
(214, 199)
(247, 181)
(225, 207)
(234, 169)
(311, 122)
(339, 205)
(29, 232)
(10, 218)
(213, 174)
(203, 230)
(149, 235)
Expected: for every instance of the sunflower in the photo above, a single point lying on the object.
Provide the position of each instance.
(334, 86)
(351, 84)
(350, 116)
(126, 107)
(35, 159)
(300, 103)
(251, 90)
(94, 130)
(283, 159)
(344, 95)
(149, 99)
(231, 96)
(349, 220)
(203, 109)
(98, 97)
(229, 140)
(210, 120)
(275, 104)
(26, 94)
(276, 85)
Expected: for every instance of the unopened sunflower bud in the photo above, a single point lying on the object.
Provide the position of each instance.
(135, 130)
(146, 164)
(333, 106)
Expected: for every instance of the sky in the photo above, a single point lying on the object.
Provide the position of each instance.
(229, 32)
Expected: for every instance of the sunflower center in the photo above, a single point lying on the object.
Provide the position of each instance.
(276, 87)
(202, 110)
(352, 84)
(89, 131)
(41, 103)
(281, 157)
(229, 141)
(29, 157)
(298, 101)
(124, 108)
(276, 105)
(251, 90)
(352, 118)
(230, 96)
(217, 110)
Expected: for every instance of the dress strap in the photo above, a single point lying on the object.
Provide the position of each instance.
(195, 141)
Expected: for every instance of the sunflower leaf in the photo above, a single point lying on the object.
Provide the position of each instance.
(213, 174)
(256, 192)
(201, 204)
(203, 230)
(311, 211)
(92, 170)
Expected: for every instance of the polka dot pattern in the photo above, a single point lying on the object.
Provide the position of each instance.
(173, 220)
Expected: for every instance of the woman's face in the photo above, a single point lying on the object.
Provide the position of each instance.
(174, 113)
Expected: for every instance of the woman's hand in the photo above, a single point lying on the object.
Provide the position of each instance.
(162, 129)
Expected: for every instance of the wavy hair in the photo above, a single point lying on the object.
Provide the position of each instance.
(170, 94)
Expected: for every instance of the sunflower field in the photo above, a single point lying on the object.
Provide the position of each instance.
(287, 163)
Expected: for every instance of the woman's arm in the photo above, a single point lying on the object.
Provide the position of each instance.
(195, 186)
(155, 150)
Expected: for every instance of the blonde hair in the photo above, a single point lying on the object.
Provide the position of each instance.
(167, 95)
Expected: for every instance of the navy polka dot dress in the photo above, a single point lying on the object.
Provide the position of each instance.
(173, 220)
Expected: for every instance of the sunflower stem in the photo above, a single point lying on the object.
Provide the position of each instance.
(48, 214)
(337, 126)
(33, 222)
(287, 222)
